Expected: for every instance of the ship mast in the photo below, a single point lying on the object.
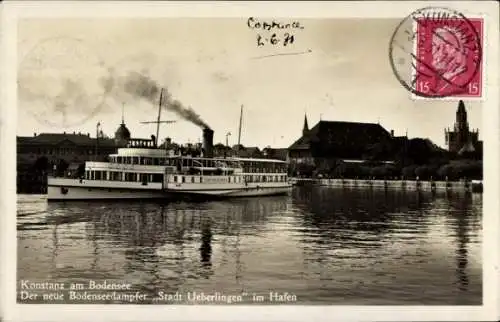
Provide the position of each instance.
(158, 121)
(239, 130)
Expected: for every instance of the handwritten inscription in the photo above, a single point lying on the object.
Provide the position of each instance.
(274, 33)
(274, 39)
(253, 23)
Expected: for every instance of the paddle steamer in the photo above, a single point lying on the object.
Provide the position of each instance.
(143, 170)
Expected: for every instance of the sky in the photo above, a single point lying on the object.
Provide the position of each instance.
(74, 73)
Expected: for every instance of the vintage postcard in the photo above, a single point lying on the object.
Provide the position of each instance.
(250, 161)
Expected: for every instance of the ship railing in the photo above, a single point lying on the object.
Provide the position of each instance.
(223, 165)
(199, 164)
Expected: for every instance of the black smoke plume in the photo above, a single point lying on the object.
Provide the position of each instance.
(141, 86)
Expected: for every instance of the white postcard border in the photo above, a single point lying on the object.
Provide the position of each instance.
(377, 9)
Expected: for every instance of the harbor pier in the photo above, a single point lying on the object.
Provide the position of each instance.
(415, 185)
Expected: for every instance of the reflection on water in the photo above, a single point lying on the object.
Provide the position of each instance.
(325, 245)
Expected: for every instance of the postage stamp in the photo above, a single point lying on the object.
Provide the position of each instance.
(194, 161)
(445, 51)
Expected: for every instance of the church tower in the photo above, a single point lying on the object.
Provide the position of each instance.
(461, 124)
(461, 136)
(305, 129)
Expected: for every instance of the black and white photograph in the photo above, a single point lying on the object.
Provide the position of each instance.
(257, 156)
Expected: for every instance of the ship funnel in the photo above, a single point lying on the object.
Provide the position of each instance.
(208, 143)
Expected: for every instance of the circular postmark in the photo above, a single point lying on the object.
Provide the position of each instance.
(436, 52)
(61, 82)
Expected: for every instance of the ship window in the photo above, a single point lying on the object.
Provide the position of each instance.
(175, 178)
(201, 179)
(183, 179)
(114, 176)
(157, 177)
(132, 177)
(192, 179)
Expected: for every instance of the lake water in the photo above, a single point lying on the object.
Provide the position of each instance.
(320, 245)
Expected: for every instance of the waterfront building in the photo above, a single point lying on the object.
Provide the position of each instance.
(461, 139)
(348, 141)
(71, 147)
(249, 152)
(275, 153)
(43, 152)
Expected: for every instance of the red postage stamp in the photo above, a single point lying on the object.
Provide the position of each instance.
(448, 57)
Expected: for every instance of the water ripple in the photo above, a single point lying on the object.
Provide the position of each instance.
(325, 245)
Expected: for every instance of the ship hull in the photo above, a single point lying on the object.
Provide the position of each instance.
(233, 193)
(60, 189)
(228, 189)
(80, 193)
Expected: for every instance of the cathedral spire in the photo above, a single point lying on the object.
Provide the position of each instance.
(305, 129)
(461, 107)
(461, 119)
